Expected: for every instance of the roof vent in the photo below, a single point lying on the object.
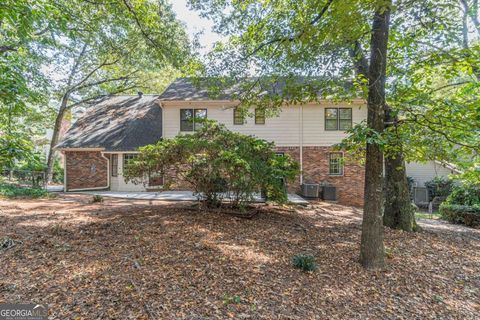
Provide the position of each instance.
(140, 93)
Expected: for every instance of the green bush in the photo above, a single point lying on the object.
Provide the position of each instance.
(304, 262)
(97, 198)
(218, 164)
(462, 205)
(58, 171)
(467, 215)
(439, 187)
(465, 194)
(14, 191)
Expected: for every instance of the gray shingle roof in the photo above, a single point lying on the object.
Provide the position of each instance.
(202, 89)
(118, 123)
(186, 89)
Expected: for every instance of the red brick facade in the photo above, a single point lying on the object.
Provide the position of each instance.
(85, 169)
(316, 170)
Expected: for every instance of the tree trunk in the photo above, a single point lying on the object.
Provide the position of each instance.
(399, 211)
(55, 136)
(372, 249)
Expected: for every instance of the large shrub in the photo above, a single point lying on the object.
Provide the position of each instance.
(465, 194)
(463, 205)
(218, 164)
(439, 187)
(467, 215)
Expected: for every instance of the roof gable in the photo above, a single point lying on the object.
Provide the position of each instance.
(117, 123)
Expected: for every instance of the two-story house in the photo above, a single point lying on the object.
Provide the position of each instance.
(102, 142)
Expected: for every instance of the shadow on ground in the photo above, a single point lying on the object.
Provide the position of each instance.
(140, 259)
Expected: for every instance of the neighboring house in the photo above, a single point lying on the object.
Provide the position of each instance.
(423, 172)
(100, 144)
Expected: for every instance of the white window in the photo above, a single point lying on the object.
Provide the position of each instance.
(335, 163)
(128, 157)
(238, 117)
(190, 119)
(114, 163)
(338, 119)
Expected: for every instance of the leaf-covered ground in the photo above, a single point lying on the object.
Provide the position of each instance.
(138, 260)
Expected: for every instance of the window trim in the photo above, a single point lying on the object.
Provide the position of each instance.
(257, 111)
(236, 117)
(128, 155)
(194, 110)
(338, 119)
(114, 165)
(341, 165)
(351, 118)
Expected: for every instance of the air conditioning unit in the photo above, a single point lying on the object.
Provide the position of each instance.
(310, 190)
(329, 193)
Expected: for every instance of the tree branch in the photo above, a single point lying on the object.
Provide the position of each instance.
(103, 64)
(472, 13)
(6, 48)
(359, 59)
(99, 82)
(97, 97)
(75, 67)
(295, 36)
(138, 23)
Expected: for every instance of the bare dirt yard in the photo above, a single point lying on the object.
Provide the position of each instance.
(124, 259)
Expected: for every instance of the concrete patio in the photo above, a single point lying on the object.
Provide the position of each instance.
(176, 196)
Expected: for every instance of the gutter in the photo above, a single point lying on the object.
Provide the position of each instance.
(448, 166)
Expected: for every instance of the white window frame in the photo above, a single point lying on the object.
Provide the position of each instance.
(341, 165)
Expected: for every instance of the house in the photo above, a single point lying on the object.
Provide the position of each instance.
(102, 142)
(426, 171)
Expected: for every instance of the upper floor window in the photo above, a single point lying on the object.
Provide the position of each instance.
(127, 158)
(338, 118)
(190, 119)
(259, 116)
(335, 164)
(238, 117)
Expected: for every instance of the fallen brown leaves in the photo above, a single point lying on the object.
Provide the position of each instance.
(130, 260)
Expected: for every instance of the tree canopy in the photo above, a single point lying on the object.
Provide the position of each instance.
(67, 53)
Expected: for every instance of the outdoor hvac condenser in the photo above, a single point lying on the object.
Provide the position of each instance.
(329, 193)
(310, 190)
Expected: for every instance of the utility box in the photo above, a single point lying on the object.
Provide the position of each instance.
(329, 193)
(310, 190)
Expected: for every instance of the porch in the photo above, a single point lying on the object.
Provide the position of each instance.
(176, 196)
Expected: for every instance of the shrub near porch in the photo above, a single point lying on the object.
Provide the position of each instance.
(219, 164)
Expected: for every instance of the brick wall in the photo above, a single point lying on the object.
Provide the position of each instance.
(86, 169)
(316, 170)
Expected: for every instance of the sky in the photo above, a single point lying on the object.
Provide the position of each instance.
(195, 24)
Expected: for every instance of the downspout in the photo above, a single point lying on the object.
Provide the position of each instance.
(301, 144)
(108, 178)
(64, 171)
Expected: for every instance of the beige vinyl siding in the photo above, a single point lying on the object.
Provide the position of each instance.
(423, 172)
(314, 133)
(283, 129)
